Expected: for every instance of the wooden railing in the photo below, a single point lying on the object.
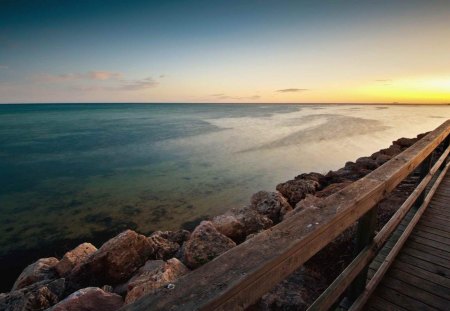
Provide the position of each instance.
(238, 278)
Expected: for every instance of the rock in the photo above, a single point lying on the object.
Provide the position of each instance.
(380, 158)
(162, 248)
(205, 244)
(393, 150)
(296, 292)
(37, 296)
(367, 163)
(113, 263)
(270, 204)
(149, 267)
(43, 269)
(295, 190)
(179, 236)
(74, 257)
(154, 276)
(319, 178)
(309, 202)
(405, 142)
(230, 226)
(90, 298)
(331, 189)
(252, 220)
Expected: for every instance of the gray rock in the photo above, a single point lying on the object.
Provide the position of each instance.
(230, 226)
(205, 244)
(271, 204)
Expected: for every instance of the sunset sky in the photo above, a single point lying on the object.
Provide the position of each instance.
(225, 51)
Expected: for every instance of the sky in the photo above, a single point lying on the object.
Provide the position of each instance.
(229, 51)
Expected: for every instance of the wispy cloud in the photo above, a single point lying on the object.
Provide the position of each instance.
(91, 75)
(292, 90)
(383, 80)
(3, 67)
(104, 75)
(222, 96)
(134, 85)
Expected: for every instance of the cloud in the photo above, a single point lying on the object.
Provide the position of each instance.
(291, 90)
(222, 96)
(104, 75)
(383, 80)
(91, 75)
(3, 67)
(137, 84)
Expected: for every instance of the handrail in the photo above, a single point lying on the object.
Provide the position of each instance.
(370, 288)
(239, 277)
(340, 284)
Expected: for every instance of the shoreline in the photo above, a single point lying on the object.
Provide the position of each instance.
(172, 254)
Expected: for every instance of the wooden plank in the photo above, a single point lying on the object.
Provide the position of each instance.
(419, 236)
(427, 257)
(421, 284)
(435, 220)
(422, 227)
(232, 281)
(416, 293)
(383, 305)
(440, 212)
(428, 249)
(424, 264)
(407, 302)
(432, 224)
(418, 272)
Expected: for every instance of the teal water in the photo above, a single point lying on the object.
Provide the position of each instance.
(74, 172)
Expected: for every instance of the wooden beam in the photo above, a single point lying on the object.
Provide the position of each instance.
(239, 277)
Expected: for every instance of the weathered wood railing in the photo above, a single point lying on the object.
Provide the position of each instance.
(238, 278)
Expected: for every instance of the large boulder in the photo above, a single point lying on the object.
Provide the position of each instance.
(393, 150)
(205, 244)
(113, 263)
(153, 275)
(405, 142)
(270, 204)
(296, 189)
(162, 248)
(90, 298)
(74, 257)
(230, 226)
(252, 220)
(178, 237)
(367, 163)
(43, 269)
(37, 296)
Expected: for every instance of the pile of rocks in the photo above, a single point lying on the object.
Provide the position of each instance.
(132, 265)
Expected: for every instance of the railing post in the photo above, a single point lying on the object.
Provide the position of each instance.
(367, 225)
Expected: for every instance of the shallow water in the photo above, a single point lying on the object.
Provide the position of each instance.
(84, 172)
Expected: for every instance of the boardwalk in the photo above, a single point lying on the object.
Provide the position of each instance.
(419, 278)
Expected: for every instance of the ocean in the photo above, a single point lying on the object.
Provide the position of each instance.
(83, 172)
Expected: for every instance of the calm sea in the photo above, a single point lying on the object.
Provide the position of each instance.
(70, 173)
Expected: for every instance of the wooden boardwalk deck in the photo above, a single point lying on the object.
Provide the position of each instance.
(419, 278)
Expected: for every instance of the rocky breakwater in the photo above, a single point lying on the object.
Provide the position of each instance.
(131, 265)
